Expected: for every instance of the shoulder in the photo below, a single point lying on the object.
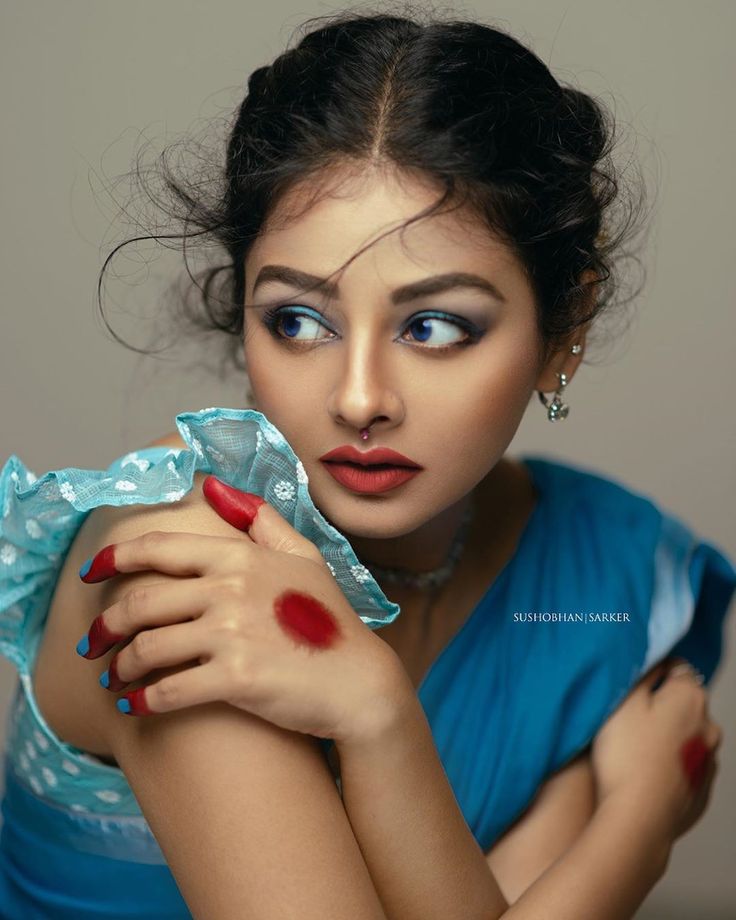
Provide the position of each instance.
(173, 439)
(626, 547)
(66, 685)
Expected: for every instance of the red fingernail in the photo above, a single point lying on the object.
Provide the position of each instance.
(100, 566)
(695, 756)
(233, 505)
(101, 639)
(114, 682)
(134, 703)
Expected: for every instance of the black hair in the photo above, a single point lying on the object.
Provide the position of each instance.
(458, 101)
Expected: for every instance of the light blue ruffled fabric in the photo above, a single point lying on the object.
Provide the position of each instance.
(40, 518)
(508, 702)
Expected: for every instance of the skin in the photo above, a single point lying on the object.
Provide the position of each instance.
(363, 376)
(695, 755)
(306, 619)
(370, 366)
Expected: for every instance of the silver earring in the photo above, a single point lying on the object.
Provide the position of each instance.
(557, 409)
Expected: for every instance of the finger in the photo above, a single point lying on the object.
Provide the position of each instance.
(199, 684)
(157, 648)
(264, 524)
(653, 678)
(149, 605)
(695, 756)
(235, 506)
(169, 552)
(686, 669)
(713, 735)
(705, 790)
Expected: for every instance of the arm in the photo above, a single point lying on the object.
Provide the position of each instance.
(547, 828)
(426, 863)
(223, 790)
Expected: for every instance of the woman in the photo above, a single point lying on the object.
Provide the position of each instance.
(462, 727)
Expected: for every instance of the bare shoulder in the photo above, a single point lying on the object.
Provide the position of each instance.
(66, 686)
(173, 439)
(222, 789)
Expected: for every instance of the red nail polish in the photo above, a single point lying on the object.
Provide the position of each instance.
(695, 756)
(102, 566)
(233, 505)
(114, 681)
(101, 639)
(136, 703)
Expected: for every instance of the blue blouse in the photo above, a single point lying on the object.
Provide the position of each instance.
(603, 584)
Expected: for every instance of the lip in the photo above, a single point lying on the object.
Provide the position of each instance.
(369, 457)
(365, 479)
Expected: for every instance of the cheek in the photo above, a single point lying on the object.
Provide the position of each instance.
(304, 618)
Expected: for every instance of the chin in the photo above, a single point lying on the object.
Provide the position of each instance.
(354, 524)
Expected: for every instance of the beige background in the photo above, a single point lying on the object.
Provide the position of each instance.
(82, 81)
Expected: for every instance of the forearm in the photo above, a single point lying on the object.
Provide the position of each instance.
(425, 862)
(605, 874)
(422, 857)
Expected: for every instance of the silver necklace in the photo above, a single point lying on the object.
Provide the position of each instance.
(435, 577)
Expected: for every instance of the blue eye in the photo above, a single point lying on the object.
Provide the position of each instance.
(294, 320)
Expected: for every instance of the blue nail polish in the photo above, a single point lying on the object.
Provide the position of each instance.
(123, 705)
(105, 679)
(86, 566)
(83, 646)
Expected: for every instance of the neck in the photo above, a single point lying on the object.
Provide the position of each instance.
(422, 550)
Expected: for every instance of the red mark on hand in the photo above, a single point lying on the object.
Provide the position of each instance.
(695, 756)
(233, 505)
(307, 620)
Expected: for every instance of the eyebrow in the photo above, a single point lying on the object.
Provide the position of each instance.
(435, 284)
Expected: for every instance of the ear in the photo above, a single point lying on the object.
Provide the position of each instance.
(562, 359)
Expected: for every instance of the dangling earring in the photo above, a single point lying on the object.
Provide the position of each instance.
(557, 410)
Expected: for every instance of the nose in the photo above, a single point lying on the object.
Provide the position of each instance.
(363, 393)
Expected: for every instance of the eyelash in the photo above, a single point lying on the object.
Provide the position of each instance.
(273, 316)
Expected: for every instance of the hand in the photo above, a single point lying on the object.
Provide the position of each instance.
(658, 749)
(269, 625)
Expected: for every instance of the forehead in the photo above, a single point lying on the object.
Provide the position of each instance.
(321, 223)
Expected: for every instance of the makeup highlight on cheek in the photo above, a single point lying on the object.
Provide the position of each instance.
(305, 619)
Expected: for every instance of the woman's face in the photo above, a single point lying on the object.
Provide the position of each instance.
(352, 358)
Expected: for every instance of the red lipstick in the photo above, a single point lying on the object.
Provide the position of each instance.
(375, 455)
(369, 471)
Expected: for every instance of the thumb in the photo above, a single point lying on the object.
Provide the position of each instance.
(251, 513)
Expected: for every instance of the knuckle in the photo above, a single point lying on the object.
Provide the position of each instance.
(136, 600)
(151, 540)
(239, 553)
(232, 584)
(239, 674)
(227, 626)
(166, 692)
(143, 647)
(313, 553)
